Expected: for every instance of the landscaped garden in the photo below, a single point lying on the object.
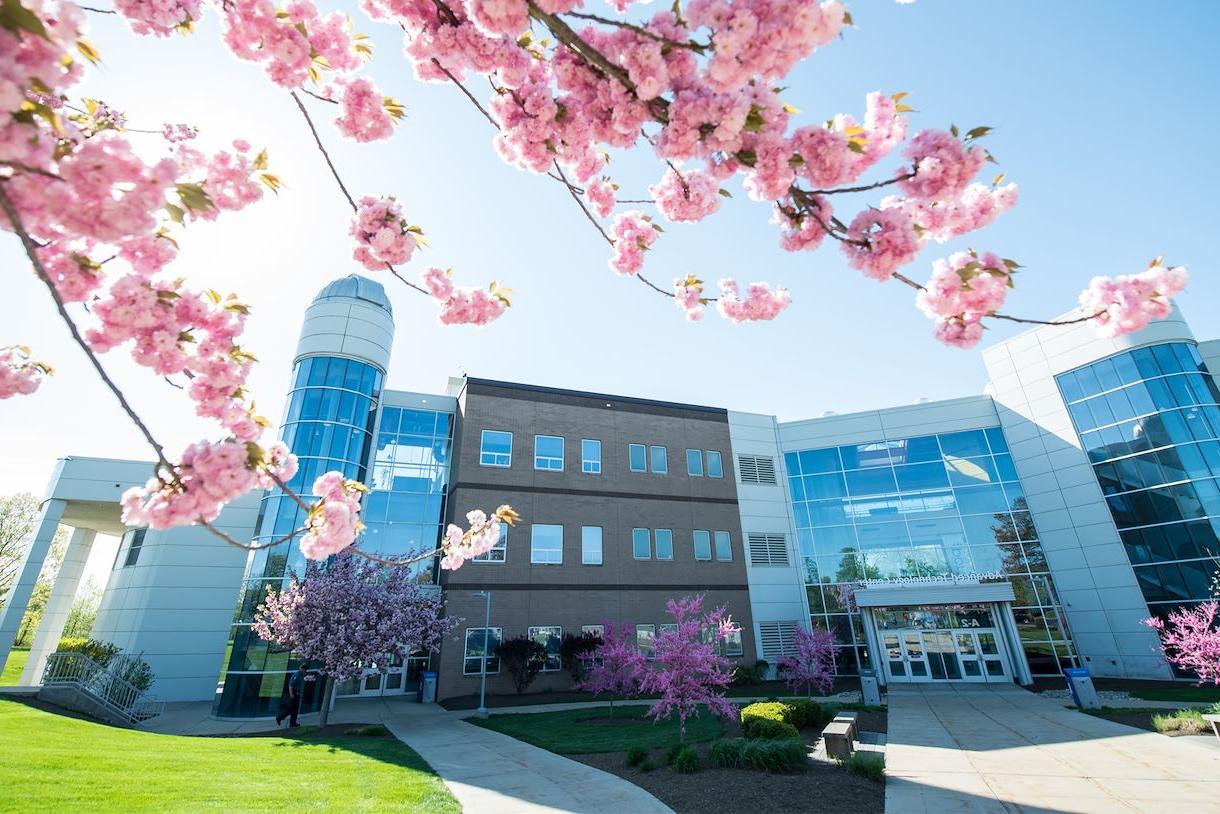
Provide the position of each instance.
(1158, 719)
(759, 761)
(57, 763)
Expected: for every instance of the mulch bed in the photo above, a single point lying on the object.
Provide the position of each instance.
(822, 787)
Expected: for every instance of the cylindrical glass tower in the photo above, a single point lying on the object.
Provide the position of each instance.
(337, 379)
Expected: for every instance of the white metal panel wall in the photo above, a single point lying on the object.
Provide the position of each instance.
(777, 592)
(1101, 598)
(346, 326)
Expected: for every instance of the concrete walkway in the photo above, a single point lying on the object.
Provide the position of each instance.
(997, 749)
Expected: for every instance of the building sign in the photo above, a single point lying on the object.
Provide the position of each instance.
(936, 579)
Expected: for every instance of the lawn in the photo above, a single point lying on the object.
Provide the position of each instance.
(582, 731)
(14, 666)
(55, 763)
(1200, 694)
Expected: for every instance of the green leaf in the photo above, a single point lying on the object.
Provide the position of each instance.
(953, 130)
(724, 193)
(195, 198)
(855, 146)
(978, 132)
(176, 213)
(16, 18)
(747, 157)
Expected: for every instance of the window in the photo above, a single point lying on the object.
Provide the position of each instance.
(732, 644)
(767, 549)
(591, 456)
(548, 453)
(778, 639)
(637, 457)
(756, 469)
(641, 546)
(546, 544)
(724, 546)
(703, 544)
(715, 469)
(548, 637)
(665, 544)
(496, 448)
(498, 552)
(644, 636)
(591, 545)
(659, 458)
(481, 644)
(136, 542)
(694, 463)
(595, 630)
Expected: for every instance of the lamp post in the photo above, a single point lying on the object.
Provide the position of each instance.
(482, 710)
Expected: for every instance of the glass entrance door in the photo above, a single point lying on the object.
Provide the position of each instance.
(943, 655)
(942, 658)
(906, 657)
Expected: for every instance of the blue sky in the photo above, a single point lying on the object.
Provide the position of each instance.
(1104, 113)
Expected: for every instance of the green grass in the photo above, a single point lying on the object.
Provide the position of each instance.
(1184, 721)
(55, 763)
(1200, 694)
(562, 733)
(14, 666)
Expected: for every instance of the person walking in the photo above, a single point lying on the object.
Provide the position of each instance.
(296, 685)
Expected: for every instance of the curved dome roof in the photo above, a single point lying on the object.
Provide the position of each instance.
(353, 286)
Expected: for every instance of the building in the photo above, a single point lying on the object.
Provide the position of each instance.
(993, 537)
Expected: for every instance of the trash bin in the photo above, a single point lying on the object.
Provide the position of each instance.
(427, 687)
(1081, 685)
(870, 687)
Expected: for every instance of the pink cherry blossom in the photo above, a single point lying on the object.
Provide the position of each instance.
(760, 302)
(884, 240)
(963, 290)
(364, 113)
(19, 374)
(688, 295)
(803, 230)
(943, 165)
(1125, 304)
(601, 194)
(633, 233)
(1190, 640)
(465, 306)
(334, 521)
(158, 17)
(382, 233)
(686, 198)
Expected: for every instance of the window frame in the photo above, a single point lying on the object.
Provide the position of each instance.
(598, 630)
(643, 448)
(485, 657)
(483, 453)
(590, 466)
(707, 454)
(728, 538)
(549, 458)
(501, 545)
(695, 544)
(652, 451)
(531, 633)
(650, 654)
(728, 642)
(136, 542)
(656, 544)
(534, 550)
(635, 554)
(601, 550)
(693, 456)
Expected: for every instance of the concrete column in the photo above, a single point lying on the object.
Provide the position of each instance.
(59, 605)
(1012, 638)
(31, 566)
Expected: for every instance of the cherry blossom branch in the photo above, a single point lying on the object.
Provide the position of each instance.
(582, 206)
(17, 165)
(97, 10)
(473, 100)
(253, 546)
(897, 179)
(319, 96)
(342, 186)
(697, 47)
(31, 251)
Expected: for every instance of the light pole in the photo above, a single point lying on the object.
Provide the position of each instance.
(482, 710)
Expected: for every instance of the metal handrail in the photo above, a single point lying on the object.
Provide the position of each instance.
(104, 683)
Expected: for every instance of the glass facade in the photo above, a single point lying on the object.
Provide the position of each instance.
(329, 424)
(935, 505)
(1149, 421)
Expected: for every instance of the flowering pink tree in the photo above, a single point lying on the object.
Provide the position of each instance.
(812, 666)
(696, 84)
(689, 671)
(349, 614)
(1191, 639)
(617, 666)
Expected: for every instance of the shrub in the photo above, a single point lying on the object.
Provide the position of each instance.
(101, 652)
(770, 710)
(636, 755)
(1182, 722)
(132, 669)
(766, 729)
(686, 761)
(523, 658)
(865, 764)
(1214, 709)
(786, 755)
(575, 652)
(743, 675)
(673, 753)
(725, 753)
(802, 713)
(646, 766)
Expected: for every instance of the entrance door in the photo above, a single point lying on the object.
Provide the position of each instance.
(906, 658)
(942, 657)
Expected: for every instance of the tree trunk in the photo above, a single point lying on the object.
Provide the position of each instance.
(612, 706)
(326, 699)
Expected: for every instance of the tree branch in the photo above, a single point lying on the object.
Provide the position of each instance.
(906, 176)
(697, 47)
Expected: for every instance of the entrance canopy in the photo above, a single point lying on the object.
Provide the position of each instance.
(920, 593)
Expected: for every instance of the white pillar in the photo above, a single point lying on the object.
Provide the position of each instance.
(1007, 623)
(31, 566)
(59, 605)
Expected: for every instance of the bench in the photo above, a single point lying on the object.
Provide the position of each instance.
(837, 738)
(1214, 720)
(849, 717)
